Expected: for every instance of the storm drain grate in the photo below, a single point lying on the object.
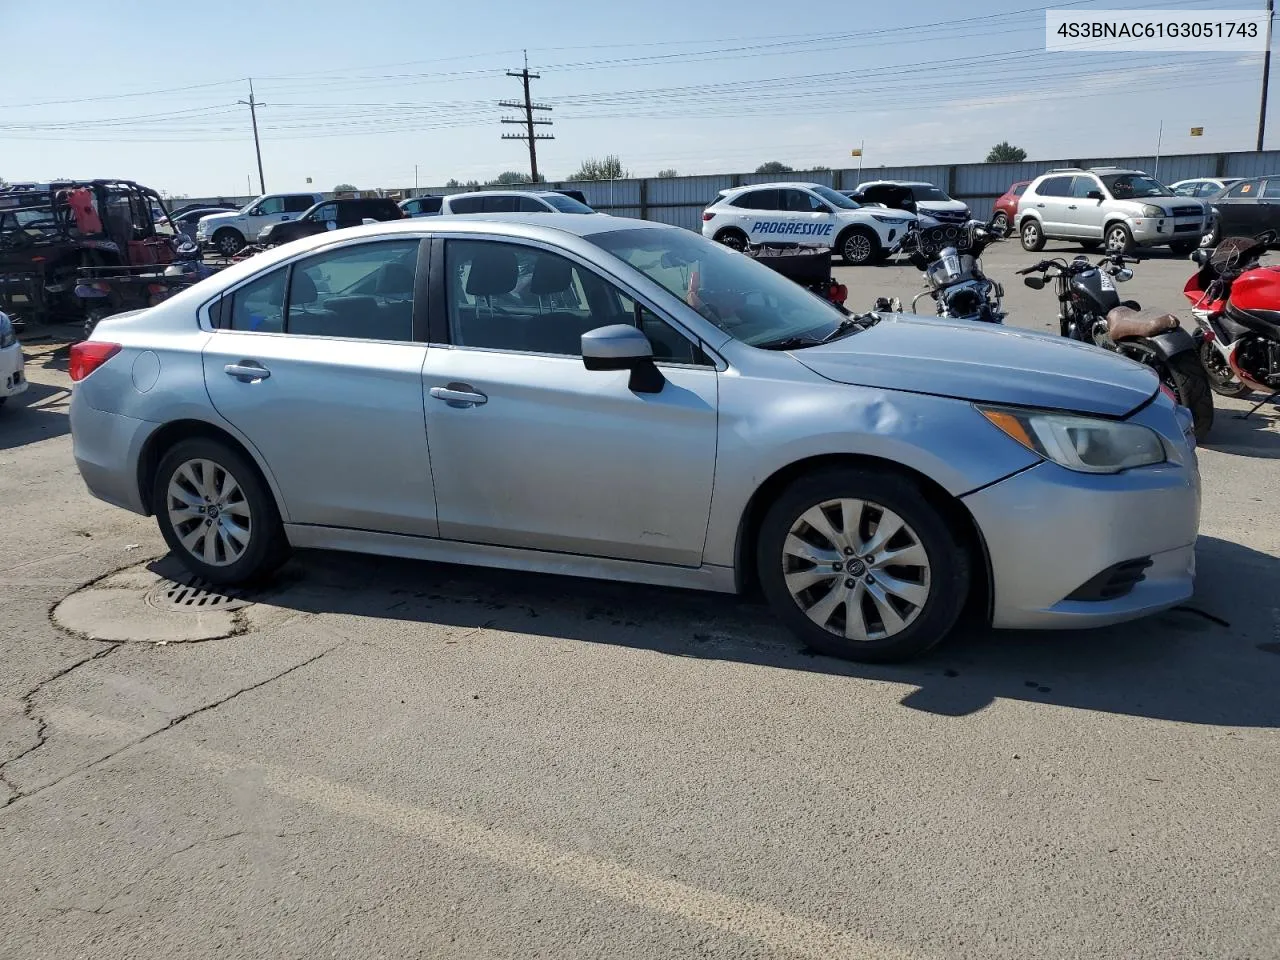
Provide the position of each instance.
(194, 596)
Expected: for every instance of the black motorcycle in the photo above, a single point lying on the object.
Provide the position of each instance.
(1090, 310)
(947, 255)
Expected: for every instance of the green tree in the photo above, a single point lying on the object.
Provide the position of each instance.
(819, 169)
(345, 188)
(610, 168)
(774, 166)
(1006, 152)
(513, 177)
(454, 183)
(669, 172)
(472, 184)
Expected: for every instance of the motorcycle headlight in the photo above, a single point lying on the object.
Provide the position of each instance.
(7, 335)
(883, 219)
(1083, 444)
(1151, 210)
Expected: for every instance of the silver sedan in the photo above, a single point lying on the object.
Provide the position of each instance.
(617, 399)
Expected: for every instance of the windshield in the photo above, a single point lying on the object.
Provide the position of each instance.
(748, 301)
(927, 191)
(834, 198)
(566, 204)
(34, 219)
(1129, 186)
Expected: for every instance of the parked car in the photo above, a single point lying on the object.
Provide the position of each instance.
(1203, 187)
(218, 206)
(1246, 209)
(629, 401)
(512, 201)
(13, 379)
(924, 197)
(804, 214)
(331, 215)
(187, 222)
(1005, 212)
(228, 232)
(1123, 209)
(421, 206)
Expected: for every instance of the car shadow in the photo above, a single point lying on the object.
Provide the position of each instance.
(1214, 661)
(38, 413)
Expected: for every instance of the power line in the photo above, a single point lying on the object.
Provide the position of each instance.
(529, 107)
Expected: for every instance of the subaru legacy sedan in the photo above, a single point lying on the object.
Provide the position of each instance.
(617, 399)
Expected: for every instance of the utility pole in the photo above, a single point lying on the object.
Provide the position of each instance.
(253, 115)
(529, 123)
(1266, 75)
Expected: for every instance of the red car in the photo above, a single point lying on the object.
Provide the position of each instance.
(1006, 209)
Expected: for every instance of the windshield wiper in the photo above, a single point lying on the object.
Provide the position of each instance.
(791, 343)
(843, 328)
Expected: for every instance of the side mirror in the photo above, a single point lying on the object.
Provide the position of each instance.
(1035, 283)
(255, 212)
(1095, 195)
(623, 347)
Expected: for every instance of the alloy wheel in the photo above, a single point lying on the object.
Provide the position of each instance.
(856, 569)
(1000, 224)
(857, 249)
(228, 245)
(209, 512)
(1117, 240)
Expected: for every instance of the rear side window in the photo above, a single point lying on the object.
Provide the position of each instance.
(1244, 191)
(299, 202)
(499, 204)
(258, 306)
(1271, 190)
(757, 200)
(363, 292)
(1020, 189)
(1055, 187)
(429, 205)
(466, 205)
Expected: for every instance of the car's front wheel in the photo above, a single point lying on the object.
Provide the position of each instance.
(860, 564)
(228, 242)
(1119, 239)
(859, 246)
(216, 513)
(1032, 236)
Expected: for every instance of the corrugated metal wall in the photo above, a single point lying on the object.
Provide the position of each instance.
(681, 200)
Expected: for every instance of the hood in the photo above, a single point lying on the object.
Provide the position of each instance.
(879, 210)
(984, 362)
(1168, 203)
(942, 206)
(219, 217)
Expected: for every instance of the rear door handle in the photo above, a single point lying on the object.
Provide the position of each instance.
(247, 371)
(459, 395)
(1071, 207)
(1039, 204)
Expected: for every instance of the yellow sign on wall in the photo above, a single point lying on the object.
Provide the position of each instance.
(1197, 131)
(855, 152)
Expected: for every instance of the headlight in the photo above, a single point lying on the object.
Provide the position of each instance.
(1151, 210)
(7, 337)
(876, 216)
(1083, 444)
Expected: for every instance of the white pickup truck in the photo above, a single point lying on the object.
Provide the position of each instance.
(228, 232)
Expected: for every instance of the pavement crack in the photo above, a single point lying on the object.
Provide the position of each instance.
(176, 721)
(42, 725)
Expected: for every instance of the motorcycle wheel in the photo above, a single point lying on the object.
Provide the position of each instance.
(1221, 380)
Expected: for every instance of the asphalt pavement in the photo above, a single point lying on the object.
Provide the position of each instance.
(377, 758)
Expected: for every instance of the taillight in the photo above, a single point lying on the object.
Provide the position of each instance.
(88, 356)
(707, 215)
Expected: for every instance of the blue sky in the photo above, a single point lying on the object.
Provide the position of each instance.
(361, 92)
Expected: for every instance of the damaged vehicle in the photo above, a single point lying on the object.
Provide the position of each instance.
(619, 399)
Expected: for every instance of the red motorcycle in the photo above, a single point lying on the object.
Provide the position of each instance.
(1236, 304)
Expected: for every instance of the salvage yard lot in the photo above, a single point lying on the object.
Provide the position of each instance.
(389, 758)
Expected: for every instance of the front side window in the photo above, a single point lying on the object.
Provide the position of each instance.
(506, 296)
(271, 205)
(1080, 187)
(1271, 189)
(1020, 189)
(567, 204)
(1191, 189)
(797, 201)
(927, 191)
(835, 198)
(746, 300)
(363, 292)
(326, 211)
(530, 205)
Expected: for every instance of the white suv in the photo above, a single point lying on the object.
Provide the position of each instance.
(227, 232)
(807, 215)
(1122, 209)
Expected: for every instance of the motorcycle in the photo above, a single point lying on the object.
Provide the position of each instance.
(948, 255)
(1090, 310)
(1236, 303)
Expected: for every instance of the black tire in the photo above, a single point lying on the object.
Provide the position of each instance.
(1000, 223)
(949, 562)
(1118, 239)
(267, 548)
(1212, 238)
(1031, 234)
(1090, 245)
(733, 238)
(1190, 381)
(228, 241)
(1221, 380)
(1184, 247)
(859, 247)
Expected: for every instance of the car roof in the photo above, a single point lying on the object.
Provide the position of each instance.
(894, 183)
(504, 193)
(772, 185)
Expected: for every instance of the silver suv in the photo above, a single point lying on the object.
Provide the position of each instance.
(1123, 209)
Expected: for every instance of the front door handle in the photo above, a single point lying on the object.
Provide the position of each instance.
(459, 395)
(1041, 205)
(247, 371)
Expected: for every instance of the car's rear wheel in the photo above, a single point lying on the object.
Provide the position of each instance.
(859, 246)
(1000, 224)
(228, 241)
(859, 564)
(733, 238)
(216, 513)
(1032, 236)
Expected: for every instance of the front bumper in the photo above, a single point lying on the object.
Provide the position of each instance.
(1050, 531)
(1153, 231)
(107, 448)
(12, 379)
